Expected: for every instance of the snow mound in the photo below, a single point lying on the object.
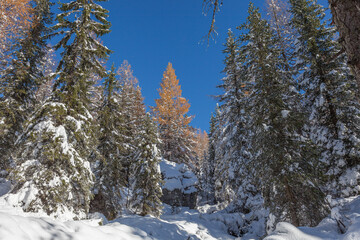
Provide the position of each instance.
(178, 176)
(327, 229)
(187, 224)
(32, 228)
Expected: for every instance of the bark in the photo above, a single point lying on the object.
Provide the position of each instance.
(346, 15)
(292, 201)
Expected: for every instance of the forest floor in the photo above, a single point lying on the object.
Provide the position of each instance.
(177, 224)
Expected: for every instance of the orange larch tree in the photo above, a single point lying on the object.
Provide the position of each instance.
(201, 147)
(15, 19)
(171, 114)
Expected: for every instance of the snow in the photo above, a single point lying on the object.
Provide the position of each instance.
(178, 176)
(285, 113)
(206, 223)
(130, 228)
(15, 224)
(328, 228)
(186, 224)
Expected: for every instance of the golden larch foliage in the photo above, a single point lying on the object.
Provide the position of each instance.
(201, 146)
(15, 19)
(170, 113)
(171, 107)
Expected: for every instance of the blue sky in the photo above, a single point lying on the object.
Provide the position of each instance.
(149, 34)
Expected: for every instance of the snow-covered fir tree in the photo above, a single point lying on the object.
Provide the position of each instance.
(133, 111)
(207, 176)
(284, 160)
(147, 177)
(108, 169)
(279, 19)
(21, 79)
(330, 95)
(235, 181)
(232, 135)
(53, 170)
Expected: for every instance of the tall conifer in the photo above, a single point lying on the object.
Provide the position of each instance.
(108, 169)
(284, 160)
(330, 95)
(21, 80)
(171, 114)
(53, 160)
(147, 176)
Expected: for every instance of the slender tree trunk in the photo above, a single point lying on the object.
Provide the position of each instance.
(346, 15)
(292, 201)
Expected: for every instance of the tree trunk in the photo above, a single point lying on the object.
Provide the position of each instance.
(291, 199)
(346, 15)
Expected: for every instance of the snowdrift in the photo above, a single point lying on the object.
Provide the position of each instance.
(209, 223)
(327, 229)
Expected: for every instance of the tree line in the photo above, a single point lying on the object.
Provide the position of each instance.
(75, 136)
(285, 138)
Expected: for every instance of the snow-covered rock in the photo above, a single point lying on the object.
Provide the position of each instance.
(180, 184)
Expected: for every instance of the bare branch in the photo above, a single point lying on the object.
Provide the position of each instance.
(214, 7)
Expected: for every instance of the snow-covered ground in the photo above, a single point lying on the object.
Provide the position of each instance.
(327, 229)
(186, 224)
(177, 224)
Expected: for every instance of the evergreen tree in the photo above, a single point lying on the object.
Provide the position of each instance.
(22, 78)
(279, 21)
(285, 161)
(230, 133)
(54, 153)
(208, 168)
(112, 148)
(146, 186)
(171, 115)
(235, 180)
(330, 95)
(133, 111)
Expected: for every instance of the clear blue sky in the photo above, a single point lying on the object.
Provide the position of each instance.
(149, 34)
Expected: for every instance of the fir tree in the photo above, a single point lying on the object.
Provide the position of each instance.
(230, 114)
(330, 95)
(44, 90)
(146, 186)
(108, 170)
(284, 160)
(235, 180)
(133, 111)
(21, 79)
(61, 136)
(208, 169)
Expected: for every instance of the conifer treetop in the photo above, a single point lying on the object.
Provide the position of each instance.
(171, 106)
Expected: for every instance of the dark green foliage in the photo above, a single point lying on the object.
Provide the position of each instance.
(208, 168)
(285, 161)
(81, 22)
(20, 81)
(146, 187)
(233, 140)
(60, 139)
(109, 172)
(330, 95)
(50, 166)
